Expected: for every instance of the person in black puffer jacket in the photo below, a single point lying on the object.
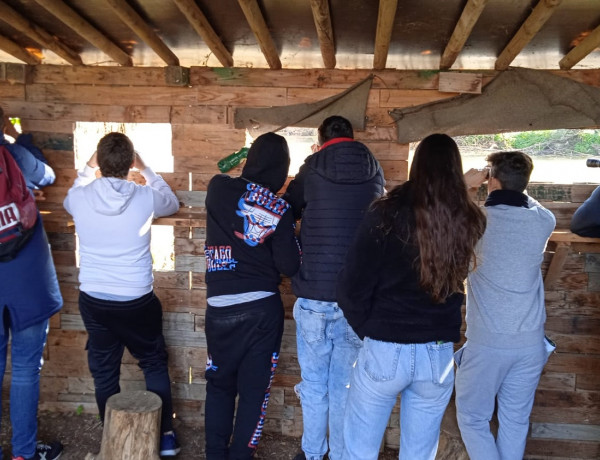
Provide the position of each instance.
(331, 192)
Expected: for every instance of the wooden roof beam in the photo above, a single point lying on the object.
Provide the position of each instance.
(39, 35)
(12, 48)
(385, 24)
(587, 45)
(463, 29)
(196, 18)
(322, 17)
(135, 22)
(532, 25)
(72, 19)
(259, 27)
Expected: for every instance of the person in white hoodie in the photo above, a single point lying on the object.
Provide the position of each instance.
(117, 303)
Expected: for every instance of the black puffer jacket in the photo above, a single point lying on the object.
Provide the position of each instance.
(331, 192)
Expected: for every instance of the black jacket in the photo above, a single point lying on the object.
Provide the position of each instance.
(331, 192)
(379, 291)
(250, 236)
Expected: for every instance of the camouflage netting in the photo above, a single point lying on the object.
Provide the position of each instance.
(517, 99)
(351, 104)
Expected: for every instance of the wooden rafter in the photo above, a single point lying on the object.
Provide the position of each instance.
(538, 17)
(82, 27)
(39, 35)
(196, 18)
(259, 27)
(322, 17)
(385, 24)
(587, 45)
(464, 26)
(17, 51)
(130, 17)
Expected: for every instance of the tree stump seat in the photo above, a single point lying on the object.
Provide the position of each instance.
(131, 427)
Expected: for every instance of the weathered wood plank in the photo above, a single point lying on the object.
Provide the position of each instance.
(165, 96)
(9, 91)
(308, 95)
(48, 126)
(588, 381)
(189, 246)
(91, 113)
(573, 325)
(571, 343)
(216, 114)
(185, 263)
(576, 363)
(543, 449)
(394, 169)
(557, 381)
(570, 431)
(192, 198)
(60, 159)
(54, 141)
(81, 75)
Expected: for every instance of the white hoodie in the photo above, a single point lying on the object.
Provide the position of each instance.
(112, 218)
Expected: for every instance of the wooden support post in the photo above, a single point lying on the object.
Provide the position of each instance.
(131, 427)
(556, 265)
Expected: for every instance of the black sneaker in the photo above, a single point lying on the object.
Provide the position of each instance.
(43, 451)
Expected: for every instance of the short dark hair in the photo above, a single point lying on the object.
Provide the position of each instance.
(512, 169)
(334, 127)
(1, 118)
(115, 155)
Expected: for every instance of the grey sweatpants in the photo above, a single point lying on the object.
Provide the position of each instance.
(510, 375)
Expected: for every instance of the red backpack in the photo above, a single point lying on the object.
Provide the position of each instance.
(18, 211)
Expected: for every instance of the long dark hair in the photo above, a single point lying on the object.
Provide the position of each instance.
(447, 224)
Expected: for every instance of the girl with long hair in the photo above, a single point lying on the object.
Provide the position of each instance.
(401, 290)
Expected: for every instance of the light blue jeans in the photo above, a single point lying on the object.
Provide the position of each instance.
(327, 349)
(26, 349)
(510, 375)
(422, 373)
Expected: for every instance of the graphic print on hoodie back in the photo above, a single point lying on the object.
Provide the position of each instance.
(261, 212)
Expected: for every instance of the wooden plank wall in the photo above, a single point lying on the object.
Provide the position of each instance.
(50, 99)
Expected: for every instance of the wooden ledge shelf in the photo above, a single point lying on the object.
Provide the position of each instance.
(58, 220)
(565, 240)
(565, 236)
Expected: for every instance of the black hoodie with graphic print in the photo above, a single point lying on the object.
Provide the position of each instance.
(249, 230)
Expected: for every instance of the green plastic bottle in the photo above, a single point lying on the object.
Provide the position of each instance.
(231, 161)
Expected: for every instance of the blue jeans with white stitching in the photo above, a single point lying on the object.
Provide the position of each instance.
(327, 349)
(422, 373)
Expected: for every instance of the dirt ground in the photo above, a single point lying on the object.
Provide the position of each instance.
(82, 434)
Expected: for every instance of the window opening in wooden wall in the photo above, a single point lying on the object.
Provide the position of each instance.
(559, 156)
(299, 142)
(153, 142)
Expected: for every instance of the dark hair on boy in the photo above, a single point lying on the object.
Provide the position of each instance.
(511, 169)
(334, 127)
(1, 118)
(115, 155)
